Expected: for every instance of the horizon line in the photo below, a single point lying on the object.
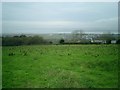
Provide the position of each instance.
(59, 0)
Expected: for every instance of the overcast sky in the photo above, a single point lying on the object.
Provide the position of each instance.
(59, 17)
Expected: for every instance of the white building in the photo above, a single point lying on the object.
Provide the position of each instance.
(113, 41)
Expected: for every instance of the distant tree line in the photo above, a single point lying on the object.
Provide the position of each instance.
(78, 38)
(23, 40)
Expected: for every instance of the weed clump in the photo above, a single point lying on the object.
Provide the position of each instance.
(11, 54)
(69, 54)
(25, 54)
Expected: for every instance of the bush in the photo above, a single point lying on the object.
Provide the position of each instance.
(62, 41)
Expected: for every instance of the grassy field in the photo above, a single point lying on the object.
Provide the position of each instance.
(60, 66)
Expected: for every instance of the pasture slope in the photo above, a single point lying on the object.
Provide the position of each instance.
(60, 66)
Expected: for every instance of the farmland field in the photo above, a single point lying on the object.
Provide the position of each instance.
(60, 66)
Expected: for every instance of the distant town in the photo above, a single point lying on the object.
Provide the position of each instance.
(75, 37)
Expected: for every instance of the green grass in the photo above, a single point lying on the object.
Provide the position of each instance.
(60, 66)
(0, 67)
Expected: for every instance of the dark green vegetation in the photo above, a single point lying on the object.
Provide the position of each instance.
(75, 38)
(23, 40)
(57, 66)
